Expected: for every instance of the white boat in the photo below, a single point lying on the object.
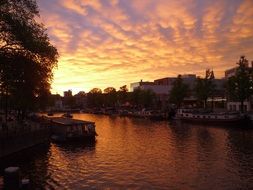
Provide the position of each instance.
(195, 116)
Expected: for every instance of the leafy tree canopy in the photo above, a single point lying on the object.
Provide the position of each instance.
(123, 88)
(240, 86)
(109, 90)
(96, 91)
(143, 98)
(26, 56)
(178, 92)
(205, 87)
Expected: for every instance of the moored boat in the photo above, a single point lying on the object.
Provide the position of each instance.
(222, 118)
(68, 115)
(50, 113)
(67, 129)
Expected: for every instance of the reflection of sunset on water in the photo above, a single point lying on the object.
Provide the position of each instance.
(105, 43)
(139, 154)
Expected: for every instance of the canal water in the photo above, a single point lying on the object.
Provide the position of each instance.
(135, 153)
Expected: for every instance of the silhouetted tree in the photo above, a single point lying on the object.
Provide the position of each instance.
(109, 90)
(147, 98)
(26, 55)
(178, 92)
(95, 98)
(123, 88)
(123, 94)
(69, 101)
(110, 96)
(205, 87)
(240, 86)
(142, 98)
(80, 99)
(81, 93)
(96, 90)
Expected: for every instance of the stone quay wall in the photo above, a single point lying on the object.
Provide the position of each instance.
(19, 136)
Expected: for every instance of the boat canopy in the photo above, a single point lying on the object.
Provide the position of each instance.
(69, 121)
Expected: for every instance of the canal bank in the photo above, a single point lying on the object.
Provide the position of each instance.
(17, 136)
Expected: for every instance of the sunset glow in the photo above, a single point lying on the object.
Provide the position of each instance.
(115, 42)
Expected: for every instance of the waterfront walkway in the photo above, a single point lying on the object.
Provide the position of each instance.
(16, 136)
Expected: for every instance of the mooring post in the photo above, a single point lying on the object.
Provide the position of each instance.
(25, 184)
(12, 178)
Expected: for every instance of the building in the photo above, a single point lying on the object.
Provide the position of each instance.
(162, 87)
(165, 81)
(136, 85)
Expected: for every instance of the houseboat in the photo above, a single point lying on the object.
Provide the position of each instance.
(201, 117)
(50, 113)
(68, 115)
(67, 129)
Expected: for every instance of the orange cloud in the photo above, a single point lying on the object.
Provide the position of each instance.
(116, 42)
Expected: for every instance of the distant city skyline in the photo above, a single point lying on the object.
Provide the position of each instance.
(117, 42)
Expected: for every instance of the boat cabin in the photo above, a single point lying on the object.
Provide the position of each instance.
(72, 129)
(209, 117)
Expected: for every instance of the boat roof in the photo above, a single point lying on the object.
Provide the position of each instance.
(69, 121)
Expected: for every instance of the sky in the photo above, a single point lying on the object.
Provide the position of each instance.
(105, 43)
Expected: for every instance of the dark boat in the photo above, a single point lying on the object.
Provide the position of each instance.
(68, 115)
(50, 114)
(67, 129)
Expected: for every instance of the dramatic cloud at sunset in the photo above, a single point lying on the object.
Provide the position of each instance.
(115, 42)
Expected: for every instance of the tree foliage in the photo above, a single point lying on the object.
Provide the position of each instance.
(95, 98)
(205, 87)
(123, 88)
(178, 92)
(95, 91)
(110, 96)
(109, 90)
(26, 56)
(123, 94)
(240, 86)
(143, 98)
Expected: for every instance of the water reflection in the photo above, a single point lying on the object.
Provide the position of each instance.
(241, 155)
(140, 154)
(76, 147)
(33, 163)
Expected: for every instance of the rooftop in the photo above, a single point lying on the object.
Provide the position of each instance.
(69, 121)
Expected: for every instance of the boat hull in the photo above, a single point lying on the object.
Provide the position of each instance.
(221, 122)
(59, 139)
